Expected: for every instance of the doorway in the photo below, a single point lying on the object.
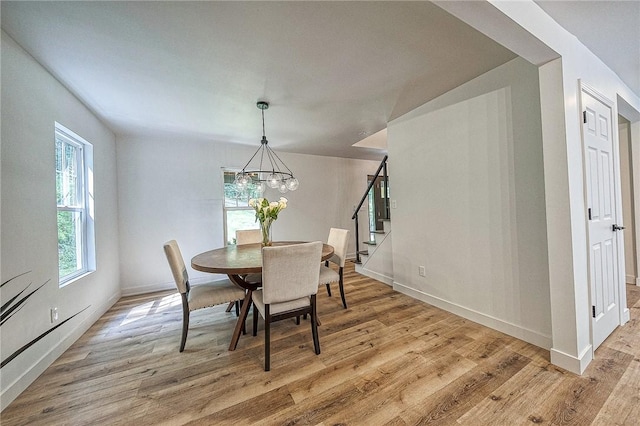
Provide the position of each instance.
(627, 189)
(378, 203)
(603, 205)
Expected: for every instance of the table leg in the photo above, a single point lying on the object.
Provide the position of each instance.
(241, 319)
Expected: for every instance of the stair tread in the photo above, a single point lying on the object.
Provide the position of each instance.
(377, 232)
(370, 243)
(365, 252)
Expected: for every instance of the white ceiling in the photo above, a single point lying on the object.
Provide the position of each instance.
(610, 29)
(334, 72)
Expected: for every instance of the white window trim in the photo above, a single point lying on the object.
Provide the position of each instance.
(87, 209)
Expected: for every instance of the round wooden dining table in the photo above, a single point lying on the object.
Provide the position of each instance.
(236, 262)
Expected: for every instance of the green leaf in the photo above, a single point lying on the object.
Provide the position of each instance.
(34, 341)
(7, 314)
(11, 279)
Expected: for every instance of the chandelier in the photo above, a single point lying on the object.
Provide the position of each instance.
(273, 174)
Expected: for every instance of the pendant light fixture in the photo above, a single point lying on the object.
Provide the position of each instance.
(273, 174)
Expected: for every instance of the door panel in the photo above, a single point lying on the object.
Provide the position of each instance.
(607, 186)
(604, 275)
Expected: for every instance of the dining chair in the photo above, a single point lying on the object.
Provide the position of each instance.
(289, 287)
(248, 236)
(338, 238)
(197, 296)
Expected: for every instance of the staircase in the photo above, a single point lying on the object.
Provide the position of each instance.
(376, 260)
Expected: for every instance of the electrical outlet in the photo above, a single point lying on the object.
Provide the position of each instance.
(394, 204)
(421, 271)
(54, 315)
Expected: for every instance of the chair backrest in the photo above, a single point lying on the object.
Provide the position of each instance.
(290, 272)
(248, 236)
(338, 239)
(176, 263)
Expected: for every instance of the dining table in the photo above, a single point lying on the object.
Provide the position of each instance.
(238, 261)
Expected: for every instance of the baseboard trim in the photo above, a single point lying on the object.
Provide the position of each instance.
(375, 275)
(637, 281)
(152, 288)
(630, 279)
(144, 289)
(519, 332)
(571, 363)
(21, 383)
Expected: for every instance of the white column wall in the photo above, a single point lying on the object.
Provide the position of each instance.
(626, 181)
(172, 189)
(634, 136)
(32, 101)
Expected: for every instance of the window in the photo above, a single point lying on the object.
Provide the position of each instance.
(237, 213)
(74, 195)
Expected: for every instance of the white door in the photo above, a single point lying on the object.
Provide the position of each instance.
(601, 204)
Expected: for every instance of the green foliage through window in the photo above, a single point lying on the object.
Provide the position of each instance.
(72, 208)
(238, 214)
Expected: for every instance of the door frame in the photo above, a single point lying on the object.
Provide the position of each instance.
(619, 237)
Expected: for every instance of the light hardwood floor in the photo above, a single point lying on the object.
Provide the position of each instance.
(388, 359)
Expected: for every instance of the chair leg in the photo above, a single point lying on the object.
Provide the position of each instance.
(237, 308)
(244, 323)
(185, 321)
(229, 307)
(314, 325)
(326, 263)
(341, 284)
(255, 320)
(298, 320)
(267, 338)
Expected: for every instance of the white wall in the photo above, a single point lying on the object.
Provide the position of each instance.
(570, 302)
(32, 100)
(172, 189)
(564, 63)
(626, 182)
(468, 181)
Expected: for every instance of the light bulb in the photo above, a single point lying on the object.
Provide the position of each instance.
(242, 181)
(273, 180)
(292, 184)
(282, 187)
(261, 187)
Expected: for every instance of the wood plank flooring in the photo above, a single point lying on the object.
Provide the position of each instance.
(388, 359)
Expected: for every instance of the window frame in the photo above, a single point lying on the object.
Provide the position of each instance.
(83, 205)
(226, 209)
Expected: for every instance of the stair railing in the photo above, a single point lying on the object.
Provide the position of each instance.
(383, 168)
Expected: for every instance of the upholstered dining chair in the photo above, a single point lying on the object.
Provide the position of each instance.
(197, 296)
(338, 238)
(289, 286)
(248, 236)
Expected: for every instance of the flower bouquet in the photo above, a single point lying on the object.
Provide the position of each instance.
(267, 213)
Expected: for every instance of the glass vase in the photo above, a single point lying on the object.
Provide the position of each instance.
(265, 227)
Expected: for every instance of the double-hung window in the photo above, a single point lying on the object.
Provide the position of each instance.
(74, 194)
(237, 213)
